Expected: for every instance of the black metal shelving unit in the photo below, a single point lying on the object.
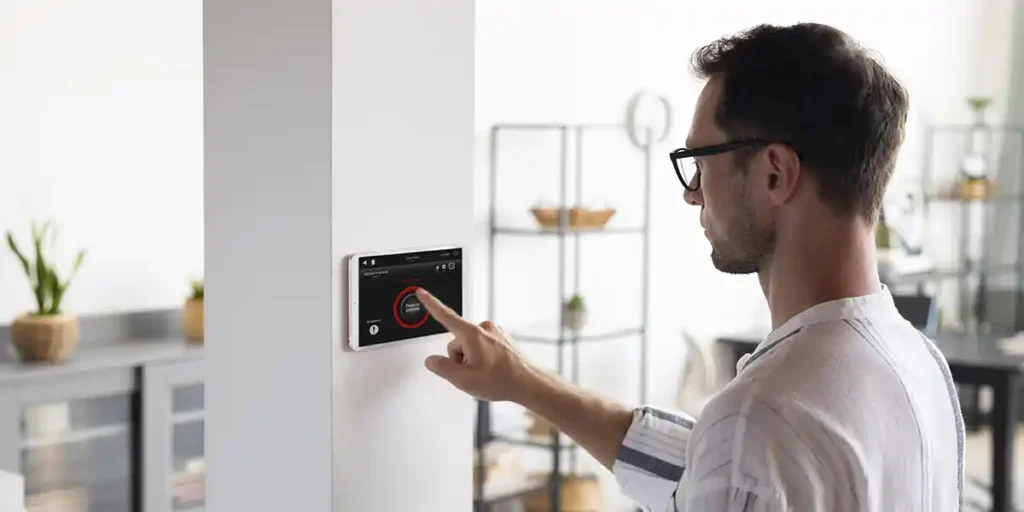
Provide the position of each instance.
(971, 276)
(562, 337)
(969, 273)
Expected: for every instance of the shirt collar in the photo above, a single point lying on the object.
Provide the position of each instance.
(875, 304)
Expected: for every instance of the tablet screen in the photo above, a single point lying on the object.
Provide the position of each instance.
(388, 307)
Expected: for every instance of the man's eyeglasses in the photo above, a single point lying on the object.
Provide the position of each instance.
(688, 167)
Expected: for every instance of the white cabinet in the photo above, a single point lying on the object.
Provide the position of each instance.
(173, 437)
(75, 440)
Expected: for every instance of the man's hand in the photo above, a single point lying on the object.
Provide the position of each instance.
(481, 359)
(483, 362)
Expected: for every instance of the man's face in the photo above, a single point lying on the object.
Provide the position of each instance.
(741, 240)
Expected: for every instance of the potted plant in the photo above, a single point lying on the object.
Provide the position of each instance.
(574, 313)
(884, 246)
(192, 314)
(974, 182)
(47, 333)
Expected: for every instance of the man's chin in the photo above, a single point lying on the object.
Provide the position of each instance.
(738, 266)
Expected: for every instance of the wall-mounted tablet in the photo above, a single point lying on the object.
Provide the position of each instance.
(383, 307)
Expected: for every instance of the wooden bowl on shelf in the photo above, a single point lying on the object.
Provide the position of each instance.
(579, 218)
(978, 189)
(580, 493)
(540, 430)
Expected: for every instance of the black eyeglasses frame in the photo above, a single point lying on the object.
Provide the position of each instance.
(713, 149)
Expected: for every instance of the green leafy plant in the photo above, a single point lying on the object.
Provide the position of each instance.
(883, 237)
(979, 102)
(576, 303)
(47, 285)
(197, 289)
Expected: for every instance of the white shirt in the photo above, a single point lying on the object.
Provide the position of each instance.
(845, 407)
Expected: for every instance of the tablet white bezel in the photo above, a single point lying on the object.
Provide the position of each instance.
(353, 295)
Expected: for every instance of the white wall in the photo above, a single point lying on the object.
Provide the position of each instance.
(268, 251)
(403, 177)
(579, 61)
(102, 131)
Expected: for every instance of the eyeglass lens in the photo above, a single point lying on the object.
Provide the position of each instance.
(687, 171)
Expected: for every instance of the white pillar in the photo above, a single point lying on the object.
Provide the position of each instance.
(331, 128)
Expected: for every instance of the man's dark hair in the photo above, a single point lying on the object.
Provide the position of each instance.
(814, 88)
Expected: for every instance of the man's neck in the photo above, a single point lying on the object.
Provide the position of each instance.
(812, 268)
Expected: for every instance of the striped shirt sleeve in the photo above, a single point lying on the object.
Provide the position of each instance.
(652, 458)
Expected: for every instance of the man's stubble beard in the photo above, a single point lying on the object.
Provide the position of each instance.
(747, 247)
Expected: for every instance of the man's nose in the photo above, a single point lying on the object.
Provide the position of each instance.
(695, 198)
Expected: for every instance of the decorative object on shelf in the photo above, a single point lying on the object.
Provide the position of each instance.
(974, 180)
(46, 334)
(540, 430)
(642, 117)
(574, 313)
(189, 486)
(192, 314)
(580, 493)
(579, 218)
(884, 246)
(500, 463)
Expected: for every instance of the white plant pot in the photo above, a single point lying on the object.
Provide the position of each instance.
(574, 319)
(887, 269)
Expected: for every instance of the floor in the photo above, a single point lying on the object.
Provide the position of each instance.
(978, 470)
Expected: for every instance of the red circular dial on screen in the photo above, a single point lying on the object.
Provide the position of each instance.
(409, 310)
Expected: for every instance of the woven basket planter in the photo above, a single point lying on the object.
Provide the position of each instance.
(192, 324)
(45, 338)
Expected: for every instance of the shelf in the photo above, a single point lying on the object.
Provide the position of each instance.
(129, 354)
(945, 198)
(187, 417)
(549, 333)
(505, 490)
(558, 126)
(614, 230)
(523, 438)
(75, 436)
(992, 271)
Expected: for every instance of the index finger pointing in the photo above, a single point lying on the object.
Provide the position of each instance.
(444, 314)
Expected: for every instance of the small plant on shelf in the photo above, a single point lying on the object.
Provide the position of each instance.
(47, 333)
(575, 312)
(884, 244)
(974, 183)
(192, 323)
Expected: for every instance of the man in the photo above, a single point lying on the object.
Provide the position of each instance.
(844, 406)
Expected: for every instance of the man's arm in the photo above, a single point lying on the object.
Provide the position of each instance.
(596, 424)
(645, 448)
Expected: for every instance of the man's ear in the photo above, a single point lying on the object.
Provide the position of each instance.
(783, 172)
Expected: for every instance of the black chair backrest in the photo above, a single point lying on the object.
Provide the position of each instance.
(920, 310)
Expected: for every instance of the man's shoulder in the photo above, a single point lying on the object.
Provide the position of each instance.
(788, 384)
(827, 351)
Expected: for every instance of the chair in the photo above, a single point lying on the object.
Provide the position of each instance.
(699, 379)
(922, 311)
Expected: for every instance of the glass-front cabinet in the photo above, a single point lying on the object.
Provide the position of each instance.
(173, 419)
(114, 431)
(74, 440)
